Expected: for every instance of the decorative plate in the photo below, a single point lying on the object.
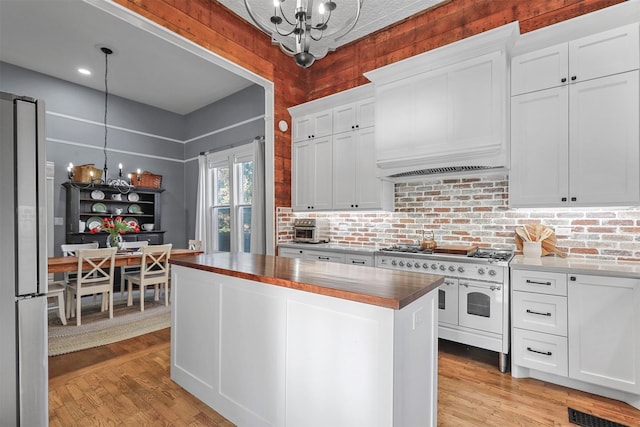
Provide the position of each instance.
(134, 209)
(94, 222)
(131, 220)
(99, 208)
(133, 197)
(97, 195)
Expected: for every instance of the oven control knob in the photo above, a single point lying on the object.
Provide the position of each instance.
(461, 269)
(434, 267)
(452, 268)
(425, 265)
(492, 272)
(409, 265)
(442, 267)
(401, 263)
(481, 271)
(393, 262)
(416, 265)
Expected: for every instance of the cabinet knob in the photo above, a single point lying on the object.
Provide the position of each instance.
(573, 78)
(357, 126)
(572, 278)
(573, 199)
(353, 127)
(563, 80)
(564, 199)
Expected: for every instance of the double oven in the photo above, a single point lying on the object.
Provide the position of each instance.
(473, 301)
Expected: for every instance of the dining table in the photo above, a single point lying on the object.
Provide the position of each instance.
(61, 264)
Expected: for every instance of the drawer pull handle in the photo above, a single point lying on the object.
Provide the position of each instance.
(538, 313)
(353, 261)
(546, 353)
(533, 282)
(324, 258)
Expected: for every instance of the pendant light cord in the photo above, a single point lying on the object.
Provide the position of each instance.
(107, 52)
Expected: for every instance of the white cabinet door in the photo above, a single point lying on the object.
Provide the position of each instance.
(354, 116)
(604, 54)
(311, 175)
(604, 154)
(355, 185)
(312, 126)
(542, 69)
(539, 148)
(604, 331)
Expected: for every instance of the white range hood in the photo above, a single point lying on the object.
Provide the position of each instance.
(445, 110)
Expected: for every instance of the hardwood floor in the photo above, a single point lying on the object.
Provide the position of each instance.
(127, 383)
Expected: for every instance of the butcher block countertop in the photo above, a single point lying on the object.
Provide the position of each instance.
(368, 285)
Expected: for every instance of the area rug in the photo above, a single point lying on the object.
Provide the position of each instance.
(97, 329)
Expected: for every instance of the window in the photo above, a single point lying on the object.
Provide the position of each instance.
(231, 173)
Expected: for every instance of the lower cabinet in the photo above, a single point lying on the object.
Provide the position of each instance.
(604, 331)
(582, 328)
(337, 256)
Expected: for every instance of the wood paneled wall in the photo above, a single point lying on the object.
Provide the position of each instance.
(211, 25)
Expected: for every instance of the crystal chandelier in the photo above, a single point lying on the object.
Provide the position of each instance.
(305, 29)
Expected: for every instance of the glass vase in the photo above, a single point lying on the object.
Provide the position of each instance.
(115, 241)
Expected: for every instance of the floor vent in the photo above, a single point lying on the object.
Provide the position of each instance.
(588, 420)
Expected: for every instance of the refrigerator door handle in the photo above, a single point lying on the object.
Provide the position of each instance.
(28, 215)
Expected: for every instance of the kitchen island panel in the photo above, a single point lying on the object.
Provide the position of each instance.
(278, 356)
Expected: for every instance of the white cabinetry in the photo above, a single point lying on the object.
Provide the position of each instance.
(604, 331)
(539, 318)
(354, 116)
(338, 256)
(355, 185)
(574, 129)
(342, 177)
(315, 125)
(580, 331)
(312, 170)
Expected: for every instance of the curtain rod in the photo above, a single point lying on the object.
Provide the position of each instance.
(227, 147)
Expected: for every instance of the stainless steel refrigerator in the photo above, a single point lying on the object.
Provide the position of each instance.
(23, 264)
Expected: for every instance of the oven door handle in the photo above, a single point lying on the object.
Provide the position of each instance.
(491, 287)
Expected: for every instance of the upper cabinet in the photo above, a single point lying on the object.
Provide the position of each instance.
(354, 116)
(599, 55)
(313, 125)
(574, 123)
(337, 171)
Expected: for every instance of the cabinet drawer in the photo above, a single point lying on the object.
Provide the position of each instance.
(366, 260)
(543, 352)
(539, 281)
(290, 253)
(539, 312)
(324, 256)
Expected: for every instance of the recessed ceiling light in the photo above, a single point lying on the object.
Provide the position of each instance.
(84, 71)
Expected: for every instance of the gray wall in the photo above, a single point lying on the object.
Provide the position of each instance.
(236, 120)
(153, 139)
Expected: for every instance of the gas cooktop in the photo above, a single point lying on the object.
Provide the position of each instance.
(490, 255)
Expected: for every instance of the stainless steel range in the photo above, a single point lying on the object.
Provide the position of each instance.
(474, 298)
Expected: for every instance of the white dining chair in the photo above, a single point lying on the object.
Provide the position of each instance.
(154, 271)
(94, 276)
(56, 290)
(69, 249)
(127, 269)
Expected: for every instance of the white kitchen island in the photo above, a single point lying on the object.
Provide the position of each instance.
(273, 341)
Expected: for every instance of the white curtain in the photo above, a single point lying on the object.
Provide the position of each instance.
(202, 206)
(258, 238)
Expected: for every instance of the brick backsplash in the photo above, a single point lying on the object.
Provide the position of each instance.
(474, 209)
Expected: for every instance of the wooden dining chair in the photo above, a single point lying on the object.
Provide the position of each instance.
(127, 269)
(195, 245)
(94, 276)
(154, 271)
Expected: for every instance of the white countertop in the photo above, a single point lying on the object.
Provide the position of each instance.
(629, 269)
